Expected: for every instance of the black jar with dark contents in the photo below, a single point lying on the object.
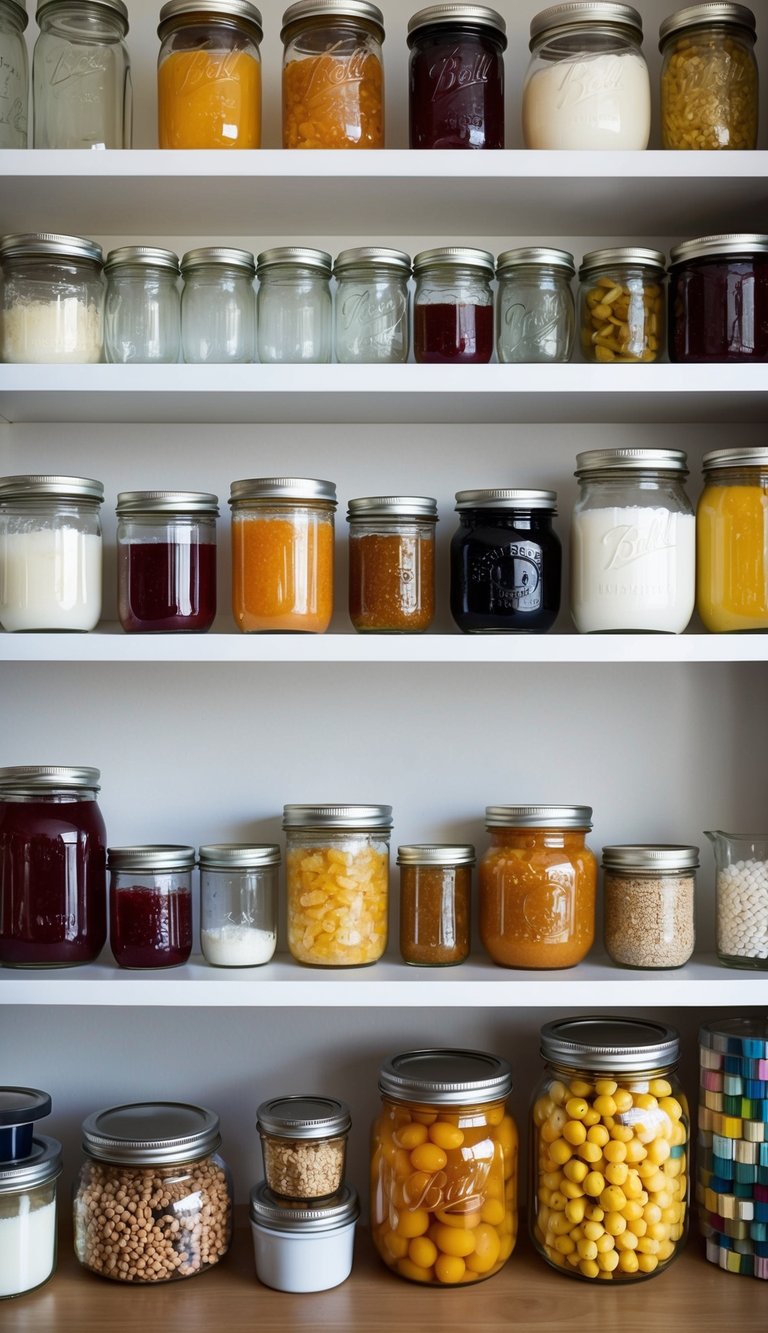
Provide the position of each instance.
(456, 77)
(506, 562)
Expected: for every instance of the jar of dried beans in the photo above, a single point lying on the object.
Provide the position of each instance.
(435, 902)
(648, 894)
(333, 75)
(304, 1142)
(392, 563)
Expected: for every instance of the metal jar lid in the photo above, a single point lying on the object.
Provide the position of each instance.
(238, 13)
(505, 498)
(393, 506)
(645, 858)
(38, 487)
(573, 14)
(238, 855)
(18, 9)
(166, 502)
(740, 457)
(696, 15)
(141, 256)
(150, 857)
(454, 256)
(222, 255)
(625, 1045)
(743, 244)
(34, 778)
(542, 255)
(539, 816)
(436, 854)
(303, 1117)
(115, 6)
(22, 1106)
(43, 1164)
(458, 16)
(50, 245)
(290, 256)
(331, 9)
(299, 490)
(373, 257)
(633, 256)
(279, 1215)
(151, 1133)
(446, 1077)
(598, 462)
(360, 818)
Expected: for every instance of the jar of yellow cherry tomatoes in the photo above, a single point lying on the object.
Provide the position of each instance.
(444, 1167)
(609, 1187)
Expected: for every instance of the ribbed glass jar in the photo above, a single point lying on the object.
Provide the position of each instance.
(392, 563)
(333, 75)
(81, 75)
(218, 306)
(143, 309)
(209, 74)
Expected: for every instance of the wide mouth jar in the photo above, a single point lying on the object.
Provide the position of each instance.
(304, 1141)
(53, 299)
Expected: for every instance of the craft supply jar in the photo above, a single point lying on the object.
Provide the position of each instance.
(505, 562)
(537, 882)
(337, 883)
(633, 542)
(732, 541)
(304, 1144)
(444, 1167)
(609, 1100)
(648, 898)
(218, 306)
(13, 63)
(294, 305)
(718, 299)
(453, 306)
(81, 75)
(166, 561)
(238, 903)
(209, 74)
(143, 310)
(372, 306)
(28, 1217)
(282, 554)
(456, 77)
(621, 305)
(53, 899)
(50, 553)
(741, 893)
(299, 1248)
(150, 905)
(709, 78)
(333, 75)
(392, 563)
(435, 903)
(159, 1161)
(535, 309)
(53, 299)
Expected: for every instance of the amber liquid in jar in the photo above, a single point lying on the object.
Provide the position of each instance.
(434, 914)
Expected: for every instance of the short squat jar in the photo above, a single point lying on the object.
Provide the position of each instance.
(456, 77)
(150, 905)
(709, 78)
(209, 75)
(732, 541)
(166, 561)
(453, 306)
(535, 309)
(333, 75)
(304, 1144)
(392, 563)
(444, 1167)
(609, 1100)
(505, 562)
(143, 310)
(53, 299)
(81, 74)
(238, 903)
(648, 897)
(294, 305)
(13, 63)
(621, 306)
(218, 306)
(299, 1247)
(28, 1216)
(718, 299)
(372, 306)
(161, 1156)
(435, 903)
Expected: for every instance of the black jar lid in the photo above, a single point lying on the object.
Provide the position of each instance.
(19, 1109)
(506, 498)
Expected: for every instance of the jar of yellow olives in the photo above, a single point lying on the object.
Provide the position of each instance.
(610, 1134)
(444, 1167)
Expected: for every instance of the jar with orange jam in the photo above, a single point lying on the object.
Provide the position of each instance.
(333, 76)
(444, 1167)
(282, 554)
(209, 74)
(537, 886)
(732, 541)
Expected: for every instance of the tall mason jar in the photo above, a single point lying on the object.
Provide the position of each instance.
(535, 309)
(333, 75)
(218, 306)
(453, 306)
(52, 299)
(166, 561)
(14, 83)
(294, 305)
(143, 311)
(709, 78)
(238, 903)
(372, 305)
(456, 77)
(392, 563)
(732, 541)
(81, 75)
(209, 74)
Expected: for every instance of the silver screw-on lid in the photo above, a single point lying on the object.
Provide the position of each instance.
(537, 255)
(596, 462)
(237, 12)
(36, 486)
(372, 257)
(436, 854)
(634, 256)
(151, 1133)
(743, 456)
(460, 16)
(331, 9)
(223, 255)
(23, 778)
(695, 15)
(539, 816)
(41, 1165)
(731, 244)
(392, 506)
(648, 857)
(454, 256)
(300, 490)
(166, 502)
(347, 817)
(116, 6)
(141, 256)
(505, 498)
(626, 1045)
(280, 1215)
(584, 11)
(49, 244)
(238, 856)
(303, 1117)
(150, 857)
(290, 256)
(446, 1077)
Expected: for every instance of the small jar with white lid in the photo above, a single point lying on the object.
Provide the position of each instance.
(14, 65)
(218, 306)
(304, 1143)
(648, 898)
(371, 307)
(622, 311)
(453, 306)
(143, 313)
(535, 309)
(294, 305)
(53, 299)
(303, 1248)
(150, 905)
(238, 903)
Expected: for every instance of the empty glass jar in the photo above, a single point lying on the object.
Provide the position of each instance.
(372, 305)
(81, 75)
(218, 306)
(453, 306)
(209, 75)
(238, 903)
(333, 75)
(52, 299)
(166, 561)
(143, 311)
(14, 75)
(150, 905)
(392, 563)
(294, 305)
(535, 309)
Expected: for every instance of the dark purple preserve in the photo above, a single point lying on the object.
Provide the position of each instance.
(150, 927)
(167, 586)
(444, 333)
(456, 77)
(718, 299)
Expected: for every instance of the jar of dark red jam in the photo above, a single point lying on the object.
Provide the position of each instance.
(53, 904)
(505, 562)
(150, 905)
(456, 77)
(718, 299)
(453, 306)
(166, 561)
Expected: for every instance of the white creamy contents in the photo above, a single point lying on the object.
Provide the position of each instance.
(632, 569)
(50, 579)
(599, 101)
(64, 331)
(238, 946)
(27, 1247)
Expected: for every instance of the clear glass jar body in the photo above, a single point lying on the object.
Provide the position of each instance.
(649, 916)
(337, 888)
(506, 570)
(391, 575)
(453, 316)
(535, 315)
(456, 85)
(28, 1228)
(294, 315)
(709, 87)
(209, 82)
(435, 908)
(166, 573)
(741, 890)
(14, 86)
(333, 82)
(732, 549)
(143, 314)
(622, 315)
(282, 566)
(81, 76)
(150, 917)
(372, 315)
(718, 308)
(303, 1169)
(53, 309)
(218, 315)
(238, 914)
(50, 564)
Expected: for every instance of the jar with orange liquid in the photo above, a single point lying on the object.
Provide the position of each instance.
(732, 541)
(333, 76)
(282, 554)
(209, 75)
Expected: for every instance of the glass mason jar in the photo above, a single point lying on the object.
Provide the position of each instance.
(435, 903)
(50, 553)
(238, 903)
(633, 543)
(53, 848)
(372, 306)
(166, 561)
(587, 84)
(622, 316)
(538, 882)
(304, 1143)
(161, 1155)
(209, 75)
(294, 305)
(709, 78)
(14, 89)
(143, 310)
(28, 1217)
(453, 306)
(81, 75)
(505, 562)
(303, 1248)
(282, 554)
(218, 306)
(609, 1163)
(150, 905)
(333, 75)
(456, 77)
(718, 299)
(535, 309)
(732, 541)
(392, 563)
(53, 299)
(337, 883)
(444, 1167)
(648, 897)
(741, 891)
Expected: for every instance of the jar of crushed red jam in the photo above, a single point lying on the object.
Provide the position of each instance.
(166, 560)
(718, 299)
(53, 904)
(453, 306)
(435, 903)
(150, 905)
(456, 77)
(333, 75)
(392, 563)
(505, 562)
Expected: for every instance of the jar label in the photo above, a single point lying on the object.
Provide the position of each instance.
(590, 81)
(513, 576)
(373, 319)
(629, 542)
(335, 71)
(67, 66)
(451, 72)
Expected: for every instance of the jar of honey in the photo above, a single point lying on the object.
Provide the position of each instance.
(333, 76)
(209, 74)
(392, 563)
(435, 903)
(732, 541)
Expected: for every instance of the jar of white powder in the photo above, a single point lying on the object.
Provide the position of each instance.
(28, 1217)
(53, 299)
(238, 903)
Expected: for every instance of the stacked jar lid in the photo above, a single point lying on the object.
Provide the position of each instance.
(30, 1165)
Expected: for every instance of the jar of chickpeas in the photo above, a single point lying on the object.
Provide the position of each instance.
(609, 1149)
(622, 316)
(444, 1167)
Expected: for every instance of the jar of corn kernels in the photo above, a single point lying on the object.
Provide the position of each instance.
(333, 76)
(709, 78)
